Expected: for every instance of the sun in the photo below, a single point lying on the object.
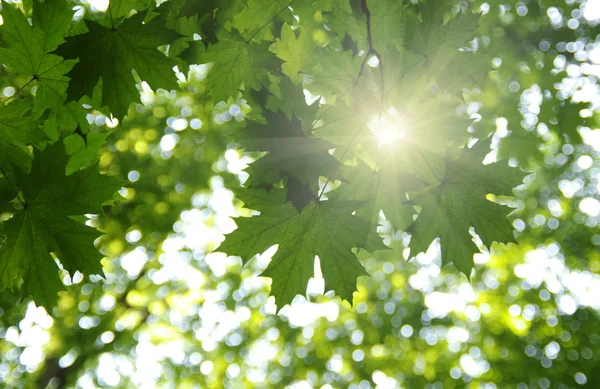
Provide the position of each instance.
(388, 127)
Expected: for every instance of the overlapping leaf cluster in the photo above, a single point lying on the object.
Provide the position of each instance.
(369, 62)
(49, 192)
(366, 63)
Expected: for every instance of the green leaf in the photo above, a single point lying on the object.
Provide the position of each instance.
(43, 226)
(327, 229)
(426, 127)
(291, 153)
(566, 117)
(432, 38)
(421, 128)
(384, 189)
(16, 126)
(311, 11)
(334, 75)
(464, 70)
(298, 53)
(26, 254)
(439, 45)
(522, 144)
(191, 18)
(236, 62)
(289, 99)
(30, 48)
(386, 24)
(31, 43)
(84, 149)
(123, 8)
(111, 54)
(71, 116)
(459, 202)
(17, 130)
(346, 126)
(253, 22)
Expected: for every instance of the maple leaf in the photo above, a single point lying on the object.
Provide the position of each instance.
(459, 202)
(191, 18)
(236, 62)
(337, 86)
(423, 126)
(306, 10)
(383, 189)
(286, 97)
(187, 8)
(123, 8)
(422, 129)
(253, 21)
(464, 70)
(327, 229)
(240, 56)
(70, 116)
(385, 21)
(111, 53)
(44, 226)
(522, 145)
(320, 48)
(31, 47)
(17, 130)
(427, 126)
(567, 117)
(433, 39)
(298, 53)
(345, 125)
(291, 153)
(84, 149)
(440, 45)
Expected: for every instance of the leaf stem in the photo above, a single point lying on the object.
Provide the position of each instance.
(17, 92)
(269, 21)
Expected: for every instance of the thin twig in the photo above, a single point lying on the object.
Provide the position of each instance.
(371, 49)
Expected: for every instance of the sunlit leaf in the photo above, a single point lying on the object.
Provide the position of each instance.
(459, 202)
(327, 229)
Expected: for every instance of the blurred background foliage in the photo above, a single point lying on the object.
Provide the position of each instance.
(171, 314)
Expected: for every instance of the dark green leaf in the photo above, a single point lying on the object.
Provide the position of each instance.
(111, 54)
(43, 226)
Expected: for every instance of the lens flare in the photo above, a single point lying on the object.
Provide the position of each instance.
(388, 127)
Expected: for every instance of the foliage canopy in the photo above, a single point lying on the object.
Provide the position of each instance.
(359, 68)
(350, 135)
